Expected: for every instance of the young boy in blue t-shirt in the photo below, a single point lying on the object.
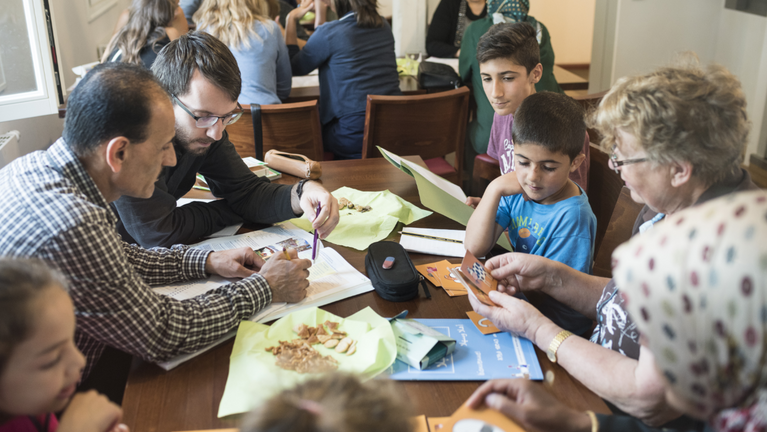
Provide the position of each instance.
(546, 213)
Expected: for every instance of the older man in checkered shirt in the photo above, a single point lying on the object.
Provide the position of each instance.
(117, 137)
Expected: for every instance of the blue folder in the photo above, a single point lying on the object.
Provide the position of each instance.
(477, 357)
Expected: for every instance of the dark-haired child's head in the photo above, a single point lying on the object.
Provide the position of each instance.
(548, 134)
(333, 403)
(509, 64)
(39, 362)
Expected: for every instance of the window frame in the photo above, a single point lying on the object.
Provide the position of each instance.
(45, 100)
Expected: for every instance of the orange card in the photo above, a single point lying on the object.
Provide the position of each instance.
(448, 282)
(483, 324)
(430, 272)
(477, 278)
(420, 424)
(465, 419)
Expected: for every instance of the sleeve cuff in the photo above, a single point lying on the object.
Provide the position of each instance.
(193, 263)
(263, 286)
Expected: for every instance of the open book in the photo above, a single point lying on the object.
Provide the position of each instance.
(331, 278)
(438, 194)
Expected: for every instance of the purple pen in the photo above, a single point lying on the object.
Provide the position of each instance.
(316, 234)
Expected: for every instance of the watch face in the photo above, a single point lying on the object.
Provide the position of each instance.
(474, 425)
(552, 357)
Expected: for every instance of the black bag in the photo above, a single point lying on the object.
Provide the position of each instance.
(437, 75)
(400, 282)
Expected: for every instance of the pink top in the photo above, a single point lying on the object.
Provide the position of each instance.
(501, 148)
(31, 424)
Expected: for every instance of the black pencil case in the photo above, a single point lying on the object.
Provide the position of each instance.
(398, 283)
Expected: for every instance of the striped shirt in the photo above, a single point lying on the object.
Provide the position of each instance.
(53, 210)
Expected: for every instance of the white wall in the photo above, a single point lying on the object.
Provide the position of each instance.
(77, 40)
(571, 26)
(635, 36)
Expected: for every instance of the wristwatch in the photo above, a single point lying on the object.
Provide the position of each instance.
(555, 343)
(300, 188)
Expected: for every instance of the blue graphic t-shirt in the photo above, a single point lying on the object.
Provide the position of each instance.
(564, 232)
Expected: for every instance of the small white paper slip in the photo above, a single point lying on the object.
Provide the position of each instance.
(434, 247)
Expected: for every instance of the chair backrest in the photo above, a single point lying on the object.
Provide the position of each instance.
(618, 231)
(604, 188)
(430, 125)
(612, 205)
(589, 103)
(293, 128)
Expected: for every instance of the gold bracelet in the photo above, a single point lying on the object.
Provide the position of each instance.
(594, 421)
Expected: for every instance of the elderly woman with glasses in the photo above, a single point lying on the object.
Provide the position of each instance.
(697, 288)
(676, 136)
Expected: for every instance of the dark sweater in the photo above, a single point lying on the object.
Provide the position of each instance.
(157, 221)
(440, 40)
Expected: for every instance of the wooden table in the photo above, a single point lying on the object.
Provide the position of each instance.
(187, 398)
(407, 83)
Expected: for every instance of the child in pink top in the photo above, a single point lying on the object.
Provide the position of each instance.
(40, 365)
(509, 64)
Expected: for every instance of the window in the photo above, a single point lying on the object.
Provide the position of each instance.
(29, 74)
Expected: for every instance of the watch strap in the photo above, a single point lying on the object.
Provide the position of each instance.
(555, 343)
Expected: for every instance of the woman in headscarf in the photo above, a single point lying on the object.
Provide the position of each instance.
(698, 287)
(499, 11)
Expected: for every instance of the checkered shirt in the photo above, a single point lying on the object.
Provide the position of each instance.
(53, 210)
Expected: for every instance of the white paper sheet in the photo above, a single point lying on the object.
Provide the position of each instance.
(434, 247)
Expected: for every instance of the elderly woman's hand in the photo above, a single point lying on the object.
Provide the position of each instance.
(512, 315)
(530, 405)
(523, 272)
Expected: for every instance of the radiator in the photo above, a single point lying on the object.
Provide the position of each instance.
(9, 147)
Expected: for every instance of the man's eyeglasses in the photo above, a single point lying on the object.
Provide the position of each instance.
(615, 163)
(210, 120)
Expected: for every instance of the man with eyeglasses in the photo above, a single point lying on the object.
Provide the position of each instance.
(202, 77)
(117, 139)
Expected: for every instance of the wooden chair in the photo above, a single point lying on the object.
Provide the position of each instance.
(293, 128)
(613, 207)
(486, 169)
(431, 126)
(589, 103)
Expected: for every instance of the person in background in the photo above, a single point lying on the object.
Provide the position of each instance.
(355, 56)
(498, 11)
(333, 403)
(189, 7)
(149, 26)
(669, 160)
(256, 43)
(40, 365)
(449, 23)
(698, 286)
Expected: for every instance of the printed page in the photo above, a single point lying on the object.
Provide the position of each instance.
(331, 278)
(434, 247)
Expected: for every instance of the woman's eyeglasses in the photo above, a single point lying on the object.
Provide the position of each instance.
(615, 163)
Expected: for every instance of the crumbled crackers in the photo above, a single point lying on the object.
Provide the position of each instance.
(300, 356)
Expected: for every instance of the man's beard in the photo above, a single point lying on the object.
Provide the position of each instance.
(183, 142)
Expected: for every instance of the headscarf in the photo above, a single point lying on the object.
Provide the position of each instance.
(696, 285)
(512, 11)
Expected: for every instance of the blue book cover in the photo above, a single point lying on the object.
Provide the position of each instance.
(477, 357)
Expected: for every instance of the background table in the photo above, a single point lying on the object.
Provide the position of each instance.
(187, 398)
